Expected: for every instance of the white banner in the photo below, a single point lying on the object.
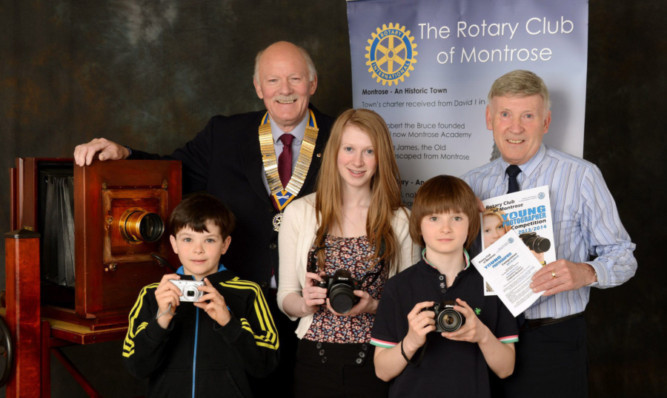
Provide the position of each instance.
(427, 65)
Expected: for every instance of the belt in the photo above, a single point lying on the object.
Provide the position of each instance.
(539, 322)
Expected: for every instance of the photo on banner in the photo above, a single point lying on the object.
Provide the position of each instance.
(426, 66)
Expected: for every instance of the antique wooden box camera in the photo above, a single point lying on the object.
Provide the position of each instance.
(103, 232)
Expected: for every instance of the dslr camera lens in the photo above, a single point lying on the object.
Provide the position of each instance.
(447, 319)
(340, 290)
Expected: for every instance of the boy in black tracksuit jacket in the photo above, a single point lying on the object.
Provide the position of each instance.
(208, 347)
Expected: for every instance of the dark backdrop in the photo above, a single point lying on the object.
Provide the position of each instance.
(150, 73)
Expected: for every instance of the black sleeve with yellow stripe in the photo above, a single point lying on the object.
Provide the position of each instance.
(251, 331)
(248, 343)
(145, 342)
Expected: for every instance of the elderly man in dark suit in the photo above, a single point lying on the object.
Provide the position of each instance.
(256, 162)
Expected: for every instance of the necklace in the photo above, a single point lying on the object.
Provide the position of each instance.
(282, 196)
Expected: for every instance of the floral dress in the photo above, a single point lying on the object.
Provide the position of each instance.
(351, 254)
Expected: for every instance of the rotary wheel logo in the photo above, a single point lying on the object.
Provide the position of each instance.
(391, 54)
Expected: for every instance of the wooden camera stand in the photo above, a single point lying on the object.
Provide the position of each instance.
(120, 210)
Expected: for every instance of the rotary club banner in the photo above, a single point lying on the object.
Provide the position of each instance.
(427, 65)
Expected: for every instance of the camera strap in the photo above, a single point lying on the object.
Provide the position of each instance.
(374, 275)
(377, 273)
(312, 265)
(168, 311)
(312, 260)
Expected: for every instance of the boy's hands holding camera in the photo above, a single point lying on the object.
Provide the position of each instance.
(473, 330)
(499, 356)
(167, 297)
(213, 303)
(420, 323)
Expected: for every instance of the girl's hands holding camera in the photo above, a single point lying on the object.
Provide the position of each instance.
(313, 295)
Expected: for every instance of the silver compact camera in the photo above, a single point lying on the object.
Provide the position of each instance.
(189, 291)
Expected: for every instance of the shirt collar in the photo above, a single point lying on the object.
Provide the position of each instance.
(181, 271)
(529, 167)
(466, 256)
(298, 132)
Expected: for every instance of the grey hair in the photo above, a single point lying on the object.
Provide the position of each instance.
(312, 72)
(521, 83)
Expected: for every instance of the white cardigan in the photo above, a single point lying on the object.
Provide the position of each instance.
(297, 234)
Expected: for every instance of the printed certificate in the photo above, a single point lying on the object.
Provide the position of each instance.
(508, 266)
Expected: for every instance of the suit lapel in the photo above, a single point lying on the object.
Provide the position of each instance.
(252, 162)
(313, 170)
(316, 162)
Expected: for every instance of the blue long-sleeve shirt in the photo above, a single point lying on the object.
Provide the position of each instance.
(586, 224)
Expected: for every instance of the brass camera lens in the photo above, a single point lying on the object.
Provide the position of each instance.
(138, 225)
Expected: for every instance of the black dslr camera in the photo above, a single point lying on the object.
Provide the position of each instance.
(535, 242)
(447, 319)
(340, 290)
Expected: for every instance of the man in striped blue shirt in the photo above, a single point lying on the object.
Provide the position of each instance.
(592, 247)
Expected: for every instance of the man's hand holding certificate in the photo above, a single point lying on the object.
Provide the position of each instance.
(522, 222)
(508, 266)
